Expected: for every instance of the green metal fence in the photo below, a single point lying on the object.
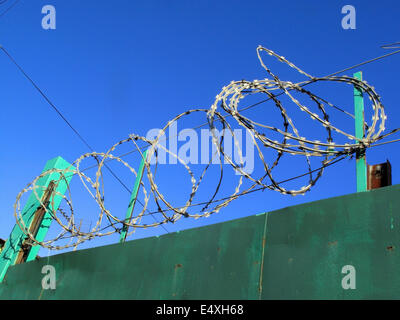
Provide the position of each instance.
(292, 253)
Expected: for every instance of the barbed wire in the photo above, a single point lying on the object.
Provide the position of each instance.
(226, 105)
(243, 193)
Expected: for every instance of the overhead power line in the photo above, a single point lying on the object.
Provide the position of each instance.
(66, 121)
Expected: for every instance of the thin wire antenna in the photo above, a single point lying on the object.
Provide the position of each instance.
(395, 45)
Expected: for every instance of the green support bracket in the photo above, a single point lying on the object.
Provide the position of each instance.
(361, 162)
(14, 243)
(132, 201)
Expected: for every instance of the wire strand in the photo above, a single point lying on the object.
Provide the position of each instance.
(63, 117)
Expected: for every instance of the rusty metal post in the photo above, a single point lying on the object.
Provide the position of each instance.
(2, 242)
(379, 175)
(37, 219)
(35, 224)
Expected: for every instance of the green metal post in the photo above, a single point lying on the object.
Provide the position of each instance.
(361, 163)
(132, 201)
(13, 245)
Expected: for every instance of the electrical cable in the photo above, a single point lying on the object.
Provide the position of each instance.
(63, 117)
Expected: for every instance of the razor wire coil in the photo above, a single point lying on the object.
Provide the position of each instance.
(227, 101)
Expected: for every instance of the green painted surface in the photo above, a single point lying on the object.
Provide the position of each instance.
(132, 201)
(13, 244)
(308, 245)
(361, 162)
(183, 265)
(293, 253)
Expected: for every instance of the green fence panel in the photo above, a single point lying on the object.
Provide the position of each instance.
(16, 238)
(292, 253)
(309, 244)
(217, 261)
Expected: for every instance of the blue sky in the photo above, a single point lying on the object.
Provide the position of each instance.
(120, 67)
